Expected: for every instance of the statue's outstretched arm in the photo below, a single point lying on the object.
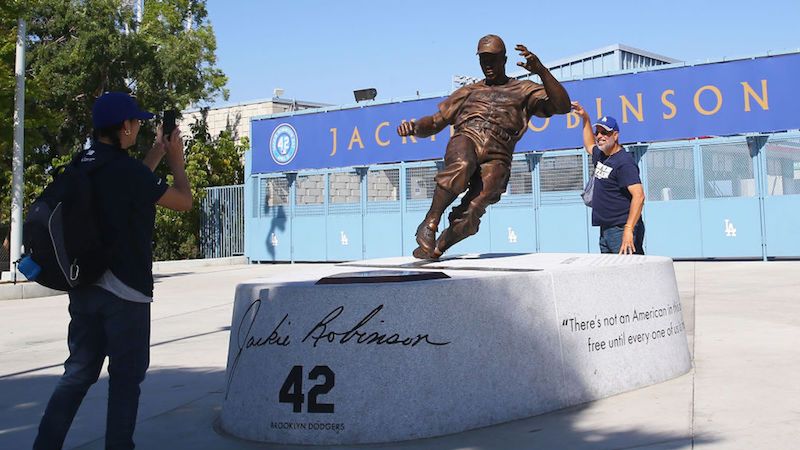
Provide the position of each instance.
(424, 127)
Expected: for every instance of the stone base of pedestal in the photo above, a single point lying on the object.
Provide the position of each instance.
(500, 338)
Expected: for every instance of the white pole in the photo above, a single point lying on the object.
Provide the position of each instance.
(189, 21)
(17, 164)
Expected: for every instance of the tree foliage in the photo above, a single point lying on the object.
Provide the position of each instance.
(210, 161)
(78, 49)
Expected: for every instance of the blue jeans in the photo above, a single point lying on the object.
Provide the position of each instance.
(101, 325)
(611, 238)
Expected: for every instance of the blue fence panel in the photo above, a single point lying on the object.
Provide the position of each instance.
(383, 221)
(309, 217)
(270, 223)
(513, 220)
(250, 207)
(782, 196)
(561, 212)
(592, 232)
(672, 206)
(418, 185)
(344, 226)
(730, 210)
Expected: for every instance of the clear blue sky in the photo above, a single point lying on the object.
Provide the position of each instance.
(323, 50)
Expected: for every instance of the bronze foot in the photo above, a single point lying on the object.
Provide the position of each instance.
(426, 238)
(419, 253)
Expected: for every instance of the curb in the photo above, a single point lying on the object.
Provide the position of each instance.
(24, 290)
(27, 289)
(169, 266)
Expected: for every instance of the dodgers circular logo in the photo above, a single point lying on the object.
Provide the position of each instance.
(283, 144)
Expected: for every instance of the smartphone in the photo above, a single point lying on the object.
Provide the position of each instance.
(168, 125)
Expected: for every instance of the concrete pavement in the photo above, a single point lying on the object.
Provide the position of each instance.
(743, 319)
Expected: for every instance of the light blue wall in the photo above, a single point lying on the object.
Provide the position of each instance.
(733, 197)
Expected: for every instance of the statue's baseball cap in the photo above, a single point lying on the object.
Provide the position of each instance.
(491, 44)
(113, 108)
(607, 122)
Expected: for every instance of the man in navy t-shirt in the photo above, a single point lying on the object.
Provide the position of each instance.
(618, 196)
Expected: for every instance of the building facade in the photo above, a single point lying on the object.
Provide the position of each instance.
(238, 115)
(717, 144)
(606, 60)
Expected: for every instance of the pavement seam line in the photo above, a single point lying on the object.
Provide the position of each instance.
(168, 341)
(694, 349)
(192, 311)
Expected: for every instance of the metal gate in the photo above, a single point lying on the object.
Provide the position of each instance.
(222, 222)
(782, 196)
(383, 219)
(419, 187)
(561, 213)
(511, 221)
(672, 206)
(344, 226)
(729, 210)
(309, 218)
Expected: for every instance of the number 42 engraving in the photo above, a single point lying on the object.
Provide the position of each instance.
(292, 389)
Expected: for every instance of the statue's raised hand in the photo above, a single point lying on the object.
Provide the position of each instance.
(532, 63)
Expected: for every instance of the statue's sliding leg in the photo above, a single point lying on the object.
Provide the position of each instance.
(460, 164)
(426, 231)
(465, 219)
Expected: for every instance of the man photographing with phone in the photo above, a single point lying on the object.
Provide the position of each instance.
(112, 316)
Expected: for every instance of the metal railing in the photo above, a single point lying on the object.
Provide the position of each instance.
(222, 222)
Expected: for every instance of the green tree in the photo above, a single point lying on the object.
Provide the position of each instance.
(210, 161)
(36, 118)
(78, 49)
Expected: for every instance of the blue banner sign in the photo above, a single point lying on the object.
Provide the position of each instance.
(726, 98)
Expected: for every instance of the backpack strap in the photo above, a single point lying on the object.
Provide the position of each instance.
(91, 160)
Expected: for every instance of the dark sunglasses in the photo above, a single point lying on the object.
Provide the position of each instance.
(603, 131)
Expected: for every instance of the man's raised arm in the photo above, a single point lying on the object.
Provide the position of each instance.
(588, 134)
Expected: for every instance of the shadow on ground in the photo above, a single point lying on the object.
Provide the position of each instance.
(23, 399)
(179, 409)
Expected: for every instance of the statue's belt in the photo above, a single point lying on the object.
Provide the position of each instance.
(480, 125)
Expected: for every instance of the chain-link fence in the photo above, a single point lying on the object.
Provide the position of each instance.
(670, 173)
(310, 190)
(783, 167)
(561, 173)
(420, 183)
(727, 170)
(344, 188)
(383, 185)
(520, 181)
(273, 193)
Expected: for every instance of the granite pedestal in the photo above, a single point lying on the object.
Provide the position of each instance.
(495, 338)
